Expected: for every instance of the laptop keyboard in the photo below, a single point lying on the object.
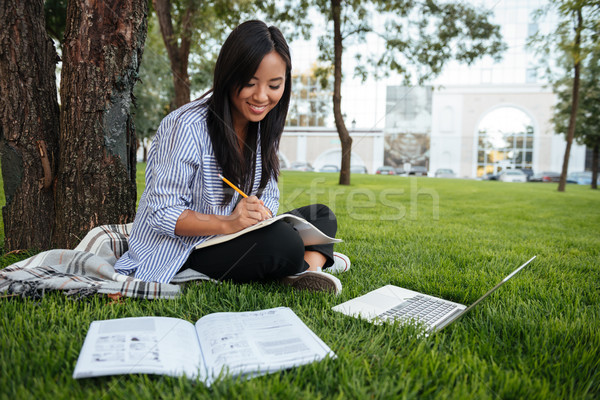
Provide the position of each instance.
(419, 308)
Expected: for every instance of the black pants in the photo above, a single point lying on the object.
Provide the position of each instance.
(265, 254)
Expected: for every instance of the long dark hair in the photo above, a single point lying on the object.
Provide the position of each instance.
(237, 63)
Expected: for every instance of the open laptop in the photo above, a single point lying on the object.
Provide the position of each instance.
(389, 303)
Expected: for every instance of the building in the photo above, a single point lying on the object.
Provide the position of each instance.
(310, 134)
(492, 116)
(320, 147)
(481, 130)
(476, 120)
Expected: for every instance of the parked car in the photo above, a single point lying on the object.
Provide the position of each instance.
(301, 166)
(418, 171)
(385, 171)
(582, 178)
(546, 176)
(528, 172)
(512, 175)
(400, 171)
(490, 177)
(329, 168)
(444, 173)
(358, 169)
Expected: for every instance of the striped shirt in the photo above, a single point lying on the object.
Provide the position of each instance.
(182, 173)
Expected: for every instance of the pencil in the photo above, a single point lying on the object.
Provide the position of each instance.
(233, 186)
(239, 191)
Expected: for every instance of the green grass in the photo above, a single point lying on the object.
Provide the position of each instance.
(538, 337)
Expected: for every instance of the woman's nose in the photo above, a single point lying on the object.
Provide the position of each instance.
(260, 94)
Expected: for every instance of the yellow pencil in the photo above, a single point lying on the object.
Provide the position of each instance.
(239, 191)
(233, 186)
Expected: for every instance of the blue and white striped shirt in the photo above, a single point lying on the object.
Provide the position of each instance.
(182, 173)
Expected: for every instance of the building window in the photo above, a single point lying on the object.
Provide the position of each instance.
(310, 104)
(531, 75)
(532, 29)
(505, 141)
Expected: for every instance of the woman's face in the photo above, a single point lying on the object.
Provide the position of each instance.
(262, 93)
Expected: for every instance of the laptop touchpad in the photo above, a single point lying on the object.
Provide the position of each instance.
(381, 300)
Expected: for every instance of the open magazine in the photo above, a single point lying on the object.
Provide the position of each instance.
(243, 344)
(309, 233)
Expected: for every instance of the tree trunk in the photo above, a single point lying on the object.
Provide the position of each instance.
(595, 152)
(345, 138)
(96, 179)
(29, 124)
(575, 105)
(178, 49)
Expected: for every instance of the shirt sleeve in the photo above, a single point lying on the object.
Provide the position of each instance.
(270, 196)
(174, 164)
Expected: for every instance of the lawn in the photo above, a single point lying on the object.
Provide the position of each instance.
(538, 337)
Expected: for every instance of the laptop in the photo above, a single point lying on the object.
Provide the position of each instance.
(390, 303)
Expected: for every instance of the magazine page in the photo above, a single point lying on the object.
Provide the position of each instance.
(257, 342)
(309, 233)
(147, 345)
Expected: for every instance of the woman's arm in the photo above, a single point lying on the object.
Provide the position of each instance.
(248, 212)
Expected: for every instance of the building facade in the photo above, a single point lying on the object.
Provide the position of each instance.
(320, 147)
(479, 130)
(476, 120)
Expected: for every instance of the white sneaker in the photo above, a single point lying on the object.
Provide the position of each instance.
(341, 263)
(317, 281)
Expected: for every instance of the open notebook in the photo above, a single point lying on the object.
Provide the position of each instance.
(309, 233)
(389, 303)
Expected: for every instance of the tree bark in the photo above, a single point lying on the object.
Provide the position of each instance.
(29, 124)
(345, 138)
(575, 95)
(178, 53)
(96, 180)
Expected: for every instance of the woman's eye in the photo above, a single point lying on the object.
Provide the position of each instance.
(249, 85)
(275, 87)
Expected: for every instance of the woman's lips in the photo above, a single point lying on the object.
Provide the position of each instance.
(257, 109)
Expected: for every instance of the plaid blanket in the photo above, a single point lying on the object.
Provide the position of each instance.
(87, 269)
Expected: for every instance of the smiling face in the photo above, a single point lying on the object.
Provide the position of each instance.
(261, 94)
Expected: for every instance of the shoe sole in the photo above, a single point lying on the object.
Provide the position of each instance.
(315, 282)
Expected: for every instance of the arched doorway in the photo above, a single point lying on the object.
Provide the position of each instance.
(504, 141)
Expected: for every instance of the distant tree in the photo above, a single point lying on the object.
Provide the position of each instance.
(154, 92)
(29, 124)
(574, 38)
(420, 38)
(587, 129)
(199, 28)
(55, 12)
(589, 132)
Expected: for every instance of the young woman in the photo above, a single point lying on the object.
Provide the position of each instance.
(234, 132)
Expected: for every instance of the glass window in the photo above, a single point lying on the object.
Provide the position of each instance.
(529, 142)
(505, 138)
(309, 103)
(519, 144)
(532, 29)
(531, 75)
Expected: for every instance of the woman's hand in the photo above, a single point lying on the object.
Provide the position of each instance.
(248, 212)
